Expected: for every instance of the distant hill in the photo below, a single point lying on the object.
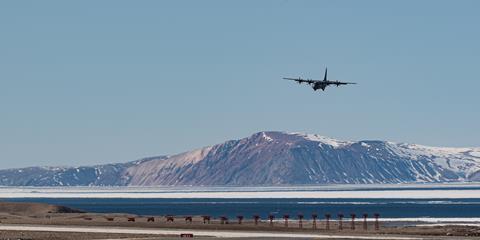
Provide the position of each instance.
(271, 158)
(16, 208)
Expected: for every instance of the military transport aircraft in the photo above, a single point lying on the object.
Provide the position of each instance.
(319, 84)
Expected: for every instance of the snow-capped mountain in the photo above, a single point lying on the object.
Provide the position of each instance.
(272, 158)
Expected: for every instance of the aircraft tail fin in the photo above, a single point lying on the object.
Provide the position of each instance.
(325, 78)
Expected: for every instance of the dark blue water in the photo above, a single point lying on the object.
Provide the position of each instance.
(388, 208)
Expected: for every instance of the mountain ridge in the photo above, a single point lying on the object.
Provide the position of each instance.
(271, 158)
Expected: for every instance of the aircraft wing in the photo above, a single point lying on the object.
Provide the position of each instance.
(299, 80)
(338, 83)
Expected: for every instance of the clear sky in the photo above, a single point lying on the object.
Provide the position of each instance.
(87, 82)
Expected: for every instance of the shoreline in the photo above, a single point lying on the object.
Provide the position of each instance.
(38, 220)
(120, 224)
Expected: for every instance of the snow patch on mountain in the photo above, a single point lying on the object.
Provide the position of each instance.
(324, 140)
(364, 144)
(454, 159)
(266, 137)
(474, 153)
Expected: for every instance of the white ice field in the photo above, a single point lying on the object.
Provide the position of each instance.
(368, 191)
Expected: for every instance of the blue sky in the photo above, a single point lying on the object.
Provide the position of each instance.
(91, 82)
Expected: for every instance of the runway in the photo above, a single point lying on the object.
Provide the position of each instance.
(203, 233)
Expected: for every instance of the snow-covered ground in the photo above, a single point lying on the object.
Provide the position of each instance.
(417, 194)
(401, 191)
(459, 160)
